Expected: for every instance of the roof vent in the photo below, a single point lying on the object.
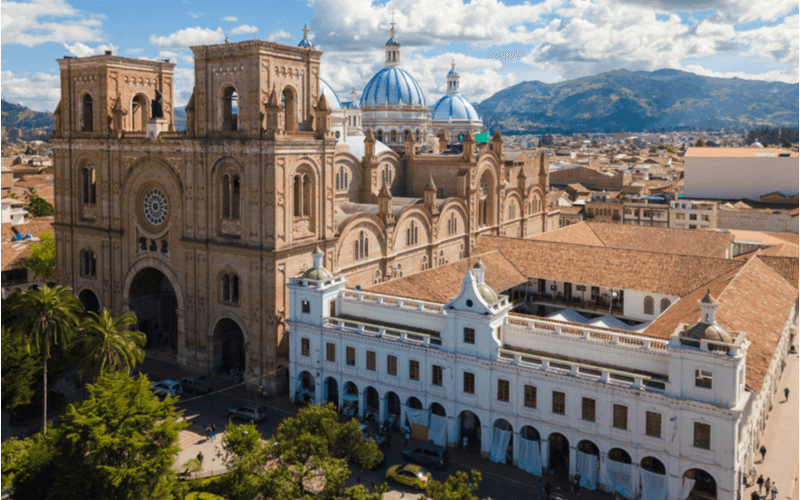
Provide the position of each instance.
(108, 52)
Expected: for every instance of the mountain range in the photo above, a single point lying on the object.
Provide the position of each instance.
(633, 101)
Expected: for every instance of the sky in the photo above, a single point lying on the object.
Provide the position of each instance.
(495, 44)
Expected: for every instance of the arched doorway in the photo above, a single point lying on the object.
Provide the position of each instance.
(372, 404)
(559, 453)
(414, 403)
(438, 409)
(332, 391)
(89, 301)
(289, 103)
(654, 465)
(530, 433)
(704, 487)
(228, 347)
(393, 409)
(469, 427)
(350, 400)
(139, 114)
(587, 464)
(306, 388)
(620, 473)
(589, 448)
(652, 478)
(502, 442)
(153, 300)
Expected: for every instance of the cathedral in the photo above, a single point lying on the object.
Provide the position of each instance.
(199, 231)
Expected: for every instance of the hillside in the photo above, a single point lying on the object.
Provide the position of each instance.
(640, 100)
(20, 122)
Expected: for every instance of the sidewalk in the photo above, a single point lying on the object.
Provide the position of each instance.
(192, 442)
(781, 438)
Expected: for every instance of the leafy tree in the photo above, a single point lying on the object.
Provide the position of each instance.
(119, 444)
(108, 345)
(787, 144)
(29, 466)
(42, 257)
(19, 369)
(458, 487)
(38, 206)
(47, 316)
(700, 143)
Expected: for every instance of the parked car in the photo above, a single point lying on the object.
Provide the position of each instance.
(167, 388)
(197, 385)
(248, 412)
(432, 455)
(410, 475)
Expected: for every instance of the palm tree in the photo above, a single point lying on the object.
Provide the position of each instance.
(107, 344)
(47, 316)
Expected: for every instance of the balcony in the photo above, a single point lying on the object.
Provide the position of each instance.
(599, 304)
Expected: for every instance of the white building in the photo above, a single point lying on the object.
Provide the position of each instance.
(13, 211)
(693, 214)
(673, 411)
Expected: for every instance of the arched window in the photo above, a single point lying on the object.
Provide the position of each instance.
(424, 262)
(648, 305)
(379, 135)
(289, 103)
(394, 137)
(230, 110)
(412, 234)
(89, 185)
(139, 114)
(361, 247)
(377, 278)
(461, 252)
(230, 288)
(338, 186)
(88, 263)
(441, 257)
(346, 179)
(230, 196)
(512, 210)
(302, 195)
(418, 135)
(87, 114)
(665, 303)
(485, 201)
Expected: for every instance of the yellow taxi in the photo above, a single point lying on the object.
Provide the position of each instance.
(411, 475)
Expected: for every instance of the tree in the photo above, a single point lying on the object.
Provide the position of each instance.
(29, 466)
(42, 257)
(107, 345)
(37, 206)
(458, 487)
(119, 444)
(46, 317)
(787, 144)
(19, 370)
(700, 143)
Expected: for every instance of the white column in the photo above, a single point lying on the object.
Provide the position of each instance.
(402, 415)
(362, 402)
(383, 408)
(516, 436)
(603, 458)
(545, 450)
(318, 397)
(573, 461)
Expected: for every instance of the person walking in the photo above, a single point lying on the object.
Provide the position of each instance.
(754, 495)
(200, 458)
(774, 490)
(213, 432)
(760, 483)
(786, 393)
(767, 486)
(763, 451)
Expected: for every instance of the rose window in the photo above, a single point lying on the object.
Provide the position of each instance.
(155, 207)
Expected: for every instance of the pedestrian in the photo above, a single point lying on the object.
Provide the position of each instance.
(763, 451)
(464, 443)
(200, 458)
(786, 393)
(539, 490)
(774, 490)
(760, 483)
(767, 486)
(213, 432)
(577, 482)
(754, 495)
(547, 490)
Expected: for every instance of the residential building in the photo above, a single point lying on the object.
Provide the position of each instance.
(693, 214)
(646, 214)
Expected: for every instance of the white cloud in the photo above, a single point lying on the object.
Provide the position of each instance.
(243, 29)
(280, 36)
(189, 37)
(778, 42)
(40, 91)
(770, 76)
(231, 19)
(133, 51)
(80, 50)
(21, 23)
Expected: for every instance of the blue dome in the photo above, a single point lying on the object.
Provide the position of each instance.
(350, 104)
(452, 72)
(454, 107)
(392, 41)
(305, 43)
(392, 87)
(330, 95)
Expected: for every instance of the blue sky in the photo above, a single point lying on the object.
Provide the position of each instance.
(494, 44)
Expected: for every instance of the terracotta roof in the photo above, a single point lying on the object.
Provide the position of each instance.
(785, 266)
(14, 251)
(648, 239)
(698, 152)
(7, 233)
(765, 237)
(753, 299)
(572, 210)
(441, 284)
(669, 274)
(782, 250)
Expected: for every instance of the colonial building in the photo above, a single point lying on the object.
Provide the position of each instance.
(642, 380)
(200, 231)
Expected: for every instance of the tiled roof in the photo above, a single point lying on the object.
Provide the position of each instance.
(668, 274)
(765, 237)
(781, 250)
(785, 266)
(648, 239)
(753, 299)
(441, 284)
(14, 251)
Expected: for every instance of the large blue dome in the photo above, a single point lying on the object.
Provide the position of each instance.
(330, 95)
(392, 87)
(454, 107)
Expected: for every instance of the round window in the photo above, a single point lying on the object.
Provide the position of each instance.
(338, 134)
(155, 207)
(469, 302)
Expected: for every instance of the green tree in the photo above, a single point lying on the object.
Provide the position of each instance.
(119, 444)
(458, 487)
(700, 143)
(47, 316)
(42, 257)
(19, 370)
(29, 466)
(787, 144)
(38, 206)
(106, 344)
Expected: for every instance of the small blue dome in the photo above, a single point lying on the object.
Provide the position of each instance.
(392, 87)
(330, 95)
(305, 43)
(452, 72)
(350, 104)
(392, 41)
(454, 107)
